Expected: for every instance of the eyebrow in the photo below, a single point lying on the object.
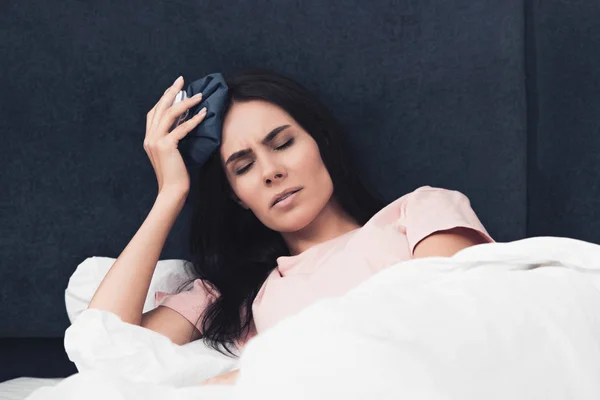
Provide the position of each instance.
(267, 139)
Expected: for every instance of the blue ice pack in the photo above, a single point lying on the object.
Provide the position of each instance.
(200, 143)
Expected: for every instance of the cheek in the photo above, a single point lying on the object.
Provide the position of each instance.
(245, 190)
(307, 161)
(313, 166)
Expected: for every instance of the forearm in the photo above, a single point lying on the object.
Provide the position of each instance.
(226, 379)
(124, 288)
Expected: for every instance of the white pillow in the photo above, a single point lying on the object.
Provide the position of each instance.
(168, 276)
(98, 340)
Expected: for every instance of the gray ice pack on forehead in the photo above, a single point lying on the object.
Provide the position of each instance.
(200, 143)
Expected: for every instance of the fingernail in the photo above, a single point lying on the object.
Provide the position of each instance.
(177, 80)
(197, 95)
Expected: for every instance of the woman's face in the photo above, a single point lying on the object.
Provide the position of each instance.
(265, 152)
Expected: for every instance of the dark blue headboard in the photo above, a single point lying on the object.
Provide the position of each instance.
(496, 99)
(564, 120)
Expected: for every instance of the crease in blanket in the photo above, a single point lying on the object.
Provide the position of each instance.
(99, 341)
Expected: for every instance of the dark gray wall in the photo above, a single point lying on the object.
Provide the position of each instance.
(564, 165)
(492, 98)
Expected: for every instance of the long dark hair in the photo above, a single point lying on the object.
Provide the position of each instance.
(230, 249)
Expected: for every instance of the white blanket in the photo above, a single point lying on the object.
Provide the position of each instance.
(518, 320)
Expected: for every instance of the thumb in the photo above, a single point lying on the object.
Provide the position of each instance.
(182, 130)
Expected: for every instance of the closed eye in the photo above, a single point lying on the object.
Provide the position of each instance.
(286, 144)
(242, 170)
(247, 167)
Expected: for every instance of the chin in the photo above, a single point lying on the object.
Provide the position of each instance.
(297, 219)
(292, 223)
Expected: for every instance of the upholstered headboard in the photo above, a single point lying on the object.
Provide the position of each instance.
(496, 99)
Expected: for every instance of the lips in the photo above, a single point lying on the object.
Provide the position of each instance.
(285, 195)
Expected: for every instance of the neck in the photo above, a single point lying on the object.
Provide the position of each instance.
(331, 222)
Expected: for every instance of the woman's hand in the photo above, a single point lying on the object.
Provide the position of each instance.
(225, 379)
(161, 145)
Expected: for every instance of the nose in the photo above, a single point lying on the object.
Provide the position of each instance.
(272, 172)
(278, 177)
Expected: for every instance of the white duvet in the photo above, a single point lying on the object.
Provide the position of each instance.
(518, 320)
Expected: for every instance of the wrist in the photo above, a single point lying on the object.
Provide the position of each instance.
(172, 196)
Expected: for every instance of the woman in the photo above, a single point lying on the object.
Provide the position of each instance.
(280, 219)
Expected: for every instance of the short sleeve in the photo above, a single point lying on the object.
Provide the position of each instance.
(191, 304)
(429, 209)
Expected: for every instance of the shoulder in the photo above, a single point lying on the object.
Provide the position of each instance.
(190, 303)
(430, 197)
(422, 198)
(428, 210)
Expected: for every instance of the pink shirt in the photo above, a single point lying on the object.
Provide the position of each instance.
(333, 267)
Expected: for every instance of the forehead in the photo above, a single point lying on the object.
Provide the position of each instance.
(249, 122)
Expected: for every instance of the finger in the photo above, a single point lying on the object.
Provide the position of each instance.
(172, 113)
(149, 118)
(148, 139)
(167, 98)
(182, 130)
(165, 102)
(151, 113)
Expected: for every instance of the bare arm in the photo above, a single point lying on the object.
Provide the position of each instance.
(124, 289)
(171, 324)
(447, 243)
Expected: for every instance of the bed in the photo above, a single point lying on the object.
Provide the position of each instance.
(514, 320)
(21, 388)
